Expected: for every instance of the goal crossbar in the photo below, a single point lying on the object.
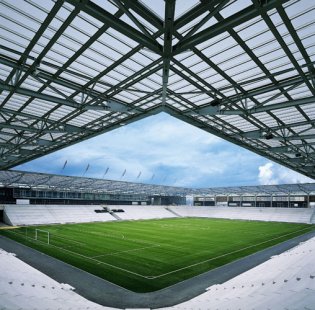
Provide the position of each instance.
(43, 231)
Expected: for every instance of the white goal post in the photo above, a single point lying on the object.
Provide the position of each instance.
(39, 232)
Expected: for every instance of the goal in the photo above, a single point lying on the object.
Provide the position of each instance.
(42, 235)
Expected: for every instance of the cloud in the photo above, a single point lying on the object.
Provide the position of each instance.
(266, 175)
(271, 174)
(174, 152)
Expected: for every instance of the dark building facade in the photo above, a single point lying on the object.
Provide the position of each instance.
(45, 196)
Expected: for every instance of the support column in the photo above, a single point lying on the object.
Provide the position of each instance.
(271, 197)
(255, 201)
(308, 200)
(289, 200)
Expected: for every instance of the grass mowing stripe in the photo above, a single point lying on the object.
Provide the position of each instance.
(53, 235)
(81, 255)
(148, 255)
(213, 258)
(137, 249)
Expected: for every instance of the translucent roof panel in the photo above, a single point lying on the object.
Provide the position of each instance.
(42, 181)
(242, 70)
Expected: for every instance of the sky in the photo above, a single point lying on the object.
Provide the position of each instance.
(161, 149)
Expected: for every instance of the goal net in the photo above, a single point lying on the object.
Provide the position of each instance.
(42, 235)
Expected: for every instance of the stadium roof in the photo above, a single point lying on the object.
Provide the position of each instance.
(42, 181)
(242, 70)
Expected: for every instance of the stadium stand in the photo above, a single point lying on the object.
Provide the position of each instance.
(52, 214)
(144, 212)
(293, 215)
(286, 281)
(23, 287)
(173, 212)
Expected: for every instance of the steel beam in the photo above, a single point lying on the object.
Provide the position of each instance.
(47, 47)
(196, 11)
(258, 133)
(269, 87)
(167, 49)
(286, 49)
(213, 10)
(209, 110)
(35, 94)
(105, 17)
(229, 23)
(282, 105)
(145, 13)
(109, 105)
(233, 139)
(37, 36)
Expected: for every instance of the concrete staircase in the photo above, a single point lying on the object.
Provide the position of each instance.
(173, 212)
(312, 219)
(113, 214)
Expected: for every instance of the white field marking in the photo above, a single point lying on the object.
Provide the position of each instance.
(167, 273)
(213, 258)
(118, 236)
(86, 257)
(123, 237)
(132, 250)
(189, 226)
(58, 237)
(89, 258)
(54, 235)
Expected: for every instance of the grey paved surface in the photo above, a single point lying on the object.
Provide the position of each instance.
(111, 295)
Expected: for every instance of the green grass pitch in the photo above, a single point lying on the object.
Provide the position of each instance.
(148, 255)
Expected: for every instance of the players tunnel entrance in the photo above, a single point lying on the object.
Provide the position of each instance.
(1, 214)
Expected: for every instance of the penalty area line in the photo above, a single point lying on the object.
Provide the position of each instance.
(126, 251)
(81, 255)
(100, 262)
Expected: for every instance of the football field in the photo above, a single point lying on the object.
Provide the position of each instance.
(148, 255)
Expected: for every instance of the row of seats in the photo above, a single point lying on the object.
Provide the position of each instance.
(247, 213)
(144, 212)
(286, 281)
(49, 214)
(23, 287)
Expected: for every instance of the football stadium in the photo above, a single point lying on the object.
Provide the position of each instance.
(71, 70)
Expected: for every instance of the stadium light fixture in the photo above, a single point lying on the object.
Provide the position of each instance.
(215, 103)
(268, 136)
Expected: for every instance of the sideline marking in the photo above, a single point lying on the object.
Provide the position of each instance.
(63, 238)
(210, 259)
(117, 236)
(8, 227)
(164, 274)
(122, 237)
(86, 257)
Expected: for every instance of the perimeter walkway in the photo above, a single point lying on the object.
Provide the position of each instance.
(111, 295)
